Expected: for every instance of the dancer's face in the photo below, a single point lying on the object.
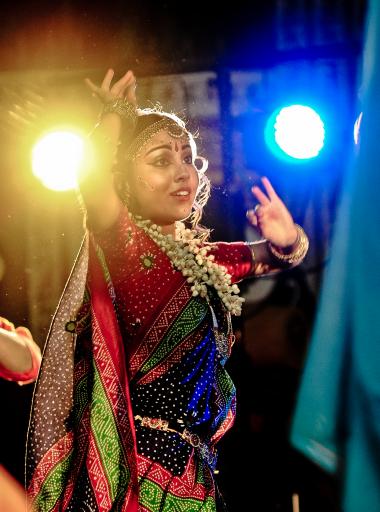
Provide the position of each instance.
(164, 181)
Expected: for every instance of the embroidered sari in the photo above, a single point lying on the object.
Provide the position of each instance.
(132, 395)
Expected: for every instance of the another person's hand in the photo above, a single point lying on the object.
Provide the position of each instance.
(124, 88)
(271, 217)
(13, 497)
(20, 356)
(9, 326)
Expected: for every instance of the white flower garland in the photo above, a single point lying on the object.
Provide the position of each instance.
(187, 255)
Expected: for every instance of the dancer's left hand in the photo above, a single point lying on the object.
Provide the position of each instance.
(272, 217)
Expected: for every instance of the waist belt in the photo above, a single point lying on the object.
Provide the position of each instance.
(207, 453)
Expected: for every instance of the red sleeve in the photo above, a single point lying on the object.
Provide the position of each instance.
(236, 257)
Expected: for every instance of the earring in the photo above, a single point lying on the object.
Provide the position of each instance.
(201, 164)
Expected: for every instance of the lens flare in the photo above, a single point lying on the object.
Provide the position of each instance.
(56, 159)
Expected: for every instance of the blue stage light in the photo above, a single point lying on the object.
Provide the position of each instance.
(295, 132)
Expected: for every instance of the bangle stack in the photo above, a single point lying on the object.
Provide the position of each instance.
(123, 108)
(301, 247)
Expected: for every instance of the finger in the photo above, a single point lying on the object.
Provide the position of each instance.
(260, 196)
(94, 88)
(6, 324)
(252, 218)
(24, 331)
(128, 76)
(131, 93)
(262, 219)
(131, 82)
(269, 188)
(127, 91)
(125, 81)
(126, 87)
(131, 98)
(107, 79)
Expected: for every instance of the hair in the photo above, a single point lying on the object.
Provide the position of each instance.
(146, 118)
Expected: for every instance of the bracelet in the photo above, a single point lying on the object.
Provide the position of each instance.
(123, 108)
(302, 246)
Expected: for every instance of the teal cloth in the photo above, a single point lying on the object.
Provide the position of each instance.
(337, 417)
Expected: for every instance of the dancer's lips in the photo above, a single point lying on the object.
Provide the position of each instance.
(181, 193)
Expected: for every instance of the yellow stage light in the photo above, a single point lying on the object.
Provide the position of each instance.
(56, 159)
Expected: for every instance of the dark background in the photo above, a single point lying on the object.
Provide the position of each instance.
(173, 37)
(47, 48)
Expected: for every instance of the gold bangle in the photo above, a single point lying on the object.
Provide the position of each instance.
(299, 253)
(122, 108)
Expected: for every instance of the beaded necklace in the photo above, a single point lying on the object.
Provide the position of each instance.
(187, 255)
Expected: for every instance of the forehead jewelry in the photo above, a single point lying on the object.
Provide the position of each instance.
(173, 129)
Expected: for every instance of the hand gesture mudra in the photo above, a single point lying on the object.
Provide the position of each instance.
(124, 88)
(272, 217)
